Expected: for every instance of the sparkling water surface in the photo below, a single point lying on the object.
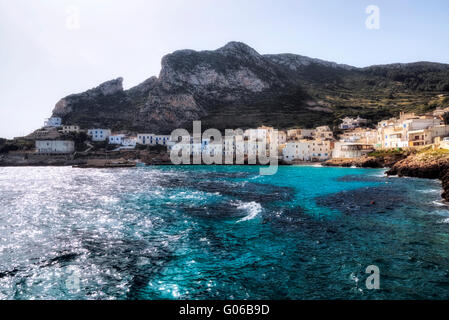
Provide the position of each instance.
(220, 232)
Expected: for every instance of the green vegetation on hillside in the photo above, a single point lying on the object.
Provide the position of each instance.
(381, 153)
(382, 92)
(16, 145)
(429, 153)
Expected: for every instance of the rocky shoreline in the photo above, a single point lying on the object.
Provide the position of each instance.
(429, 164)
(27, 159)
(428, 167)
(95, 159)
(365, 162)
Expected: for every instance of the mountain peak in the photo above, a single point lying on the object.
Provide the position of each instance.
(110, 87)
(284, 90)
(235, 47)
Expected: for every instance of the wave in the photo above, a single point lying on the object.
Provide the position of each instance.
(444, 220)
(439, 203)
(429, 190)
(379, 175)
(253, 208)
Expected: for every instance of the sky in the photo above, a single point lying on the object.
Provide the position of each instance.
(52, 48)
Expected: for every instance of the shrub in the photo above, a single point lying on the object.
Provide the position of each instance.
(8, 147)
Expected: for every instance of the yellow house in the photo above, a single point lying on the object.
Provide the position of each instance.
(408, 131)
(423, 137)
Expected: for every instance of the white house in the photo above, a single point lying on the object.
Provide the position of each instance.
(298, 150)
(196, 149)
(70, 129)
(359, 135)
(99, 134)
(407, 131)
(298, 134)
(259, 134)
(321, 150)
(170, 145)
(53, 122)
(125, 141)
(213, 149)
(308, 150)
(153, 139)
(282, 137)
(145, 138)
(129, 142)
(55, 146)
(350, 150)
(162, 139)
(352, 123)
(116, 138)
(323, 132)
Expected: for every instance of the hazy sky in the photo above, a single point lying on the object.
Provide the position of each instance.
(47, 53)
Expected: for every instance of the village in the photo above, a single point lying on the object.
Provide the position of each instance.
(355, 139)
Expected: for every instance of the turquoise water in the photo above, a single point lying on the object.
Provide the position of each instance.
(220, 232)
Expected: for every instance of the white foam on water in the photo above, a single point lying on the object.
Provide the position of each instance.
(253, 208)
(444, 220)
(379, 175)
(439, 203)
(429, 190)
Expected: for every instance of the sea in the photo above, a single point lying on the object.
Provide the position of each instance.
(220, 232)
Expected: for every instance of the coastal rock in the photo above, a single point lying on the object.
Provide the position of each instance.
(444, 177)
(425, 165)
(416, 166)
(366, 161)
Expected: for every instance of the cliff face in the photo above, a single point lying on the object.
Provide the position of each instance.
(231, 87)
(208, 85)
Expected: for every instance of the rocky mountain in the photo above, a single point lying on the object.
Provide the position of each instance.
(235, 86)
